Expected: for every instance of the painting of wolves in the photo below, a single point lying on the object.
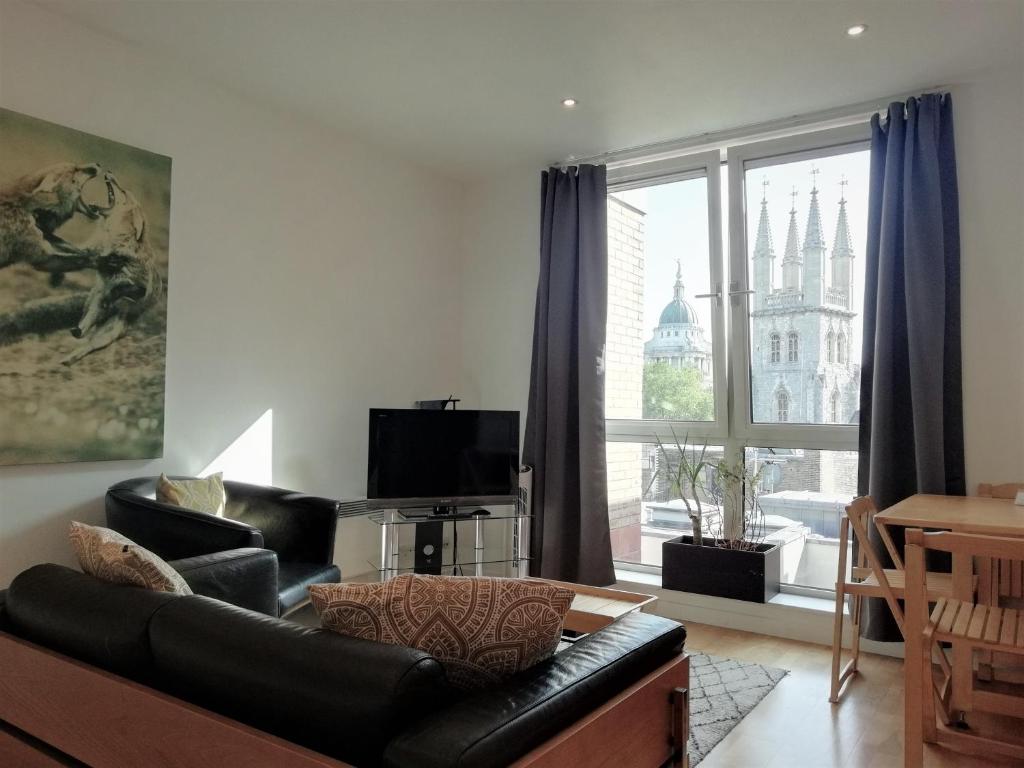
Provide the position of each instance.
(84, 235)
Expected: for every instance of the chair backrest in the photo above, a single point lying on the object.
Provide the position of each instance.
(1007, 578)
(1002, 491)
(970, 544)
(861, 512)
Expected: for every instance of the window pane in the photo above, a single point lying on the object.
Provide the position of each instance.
(805, 319)
(659, 342)
(643, 508)
(803, 495)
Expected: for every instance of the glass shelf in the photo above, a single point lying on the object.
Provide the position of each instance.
(381, 518)
(467, 566)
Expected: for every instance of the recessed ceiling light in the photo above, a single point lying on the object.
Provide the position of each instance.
(856, 30)
(569, 103)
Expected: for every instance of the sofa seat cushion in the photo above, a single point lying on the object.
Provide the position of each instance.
(482, 629)
(295, 579)
(108, 555)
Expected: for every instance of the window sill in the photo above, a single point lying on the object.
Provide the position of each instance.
(795, 617)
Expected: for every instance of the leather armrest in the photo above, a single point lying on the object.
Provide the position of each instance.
(243, 577)
(299, 527)
(174, 532)
(494, 727)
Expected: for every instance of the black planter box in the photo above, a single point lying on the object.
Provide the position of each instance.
(751, 575)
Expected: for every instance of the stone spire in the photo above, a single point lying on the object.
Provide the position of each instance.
(814, 251)
(679, 289)
(791, 259)
(842, 249)
(764, 250)
(814, 237)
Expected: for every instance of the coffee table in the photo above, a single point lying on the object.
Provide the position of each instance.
(597, 607)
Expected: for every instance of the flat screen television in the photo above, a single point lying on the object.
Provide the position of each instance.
(431, 458)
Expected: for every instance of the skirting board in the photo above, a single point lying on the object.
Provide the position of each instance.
(776, 619)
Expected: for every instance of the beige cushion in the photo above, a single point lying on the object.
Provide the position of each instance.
(108, 555)
(482, 629)
(202, 495)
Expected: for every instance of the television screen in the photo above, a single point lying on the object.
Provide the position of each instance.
(430, 457)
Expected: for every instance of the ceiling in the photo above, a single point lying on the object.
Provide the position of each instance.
(470, 85)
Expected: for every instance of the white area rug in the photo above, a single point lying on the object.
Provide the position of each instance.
(722, 692)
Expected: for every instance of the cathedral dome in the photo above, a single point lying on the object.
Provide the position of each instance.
(678, 311)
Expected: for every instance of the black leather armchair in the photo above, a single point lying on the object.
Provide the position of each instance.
(227, 557)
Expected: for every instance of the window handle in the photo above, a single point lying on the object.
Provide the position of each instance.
(716, 295)
(735, 291)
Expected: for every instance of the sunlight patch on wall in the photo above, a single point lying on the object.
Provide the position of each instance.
(249, 459)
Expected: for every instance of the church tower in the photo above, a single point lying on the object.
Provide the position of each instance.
(791, 260)
(814, 252)
(842, 250)
(764, 252)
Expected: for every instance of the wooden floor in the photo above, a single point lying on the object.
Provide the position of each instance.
(796, 727)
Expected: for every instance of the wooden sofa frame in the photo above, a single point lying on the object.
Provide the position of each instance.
(63, 707)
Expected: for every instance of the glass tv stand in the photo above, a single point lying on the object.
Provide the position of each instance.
(391, 521)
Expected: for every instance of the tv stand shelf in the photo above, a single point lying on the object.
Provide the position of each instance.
(391, 521)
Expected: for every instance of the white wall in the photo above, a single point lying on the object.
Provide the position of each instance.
(310, 275)
(502, 260)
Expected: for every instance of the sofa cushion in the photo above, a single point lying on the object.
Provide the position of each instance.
(337, 695)
(201, 494)
(295, 579)
(482, 629)
(79, 615)
(109, 556)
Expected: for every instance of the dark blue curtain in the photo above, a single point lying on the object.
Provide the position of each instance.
(565, 436)
(911, 405)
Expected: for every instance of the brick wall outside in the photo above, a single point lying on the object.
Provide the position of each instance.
(624, 371)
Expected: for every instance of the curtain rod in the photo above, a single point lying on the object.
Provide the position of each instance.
(826, 118)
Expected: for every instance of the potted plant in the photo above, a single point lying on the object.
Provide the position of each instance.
(729, 557)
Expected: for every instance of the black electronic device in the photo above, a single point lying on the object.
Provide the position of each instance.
(442, 459)
(429, 547)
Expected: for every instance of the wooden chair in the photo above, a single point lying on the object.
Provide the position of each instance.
(1002, 583)
(1003, 491)
(960, 623)
(867, 579)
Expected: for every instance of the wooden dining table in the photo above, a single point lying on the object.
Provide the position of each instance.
(960, 514)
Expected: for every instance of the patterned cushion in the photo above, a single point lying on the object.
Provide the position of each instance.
(202, 495)
(482, 629)
(108, 555)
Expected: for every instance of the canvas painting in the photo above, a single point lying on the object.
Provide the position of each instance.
(84, 231)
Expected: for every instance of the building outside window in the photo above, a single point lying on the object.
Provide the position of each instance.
(670, 288)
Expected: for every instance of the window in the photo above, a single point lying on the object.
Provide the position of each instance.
(794, 348)
(665, 308)
(782, 407)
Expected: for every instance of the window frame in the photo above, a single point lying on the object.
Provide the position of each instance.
(740, 159)
(707, 165)
(733, 427)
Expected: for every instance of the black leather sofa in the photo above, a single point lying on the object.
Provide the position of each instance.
(368, 704)
(226, 557)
